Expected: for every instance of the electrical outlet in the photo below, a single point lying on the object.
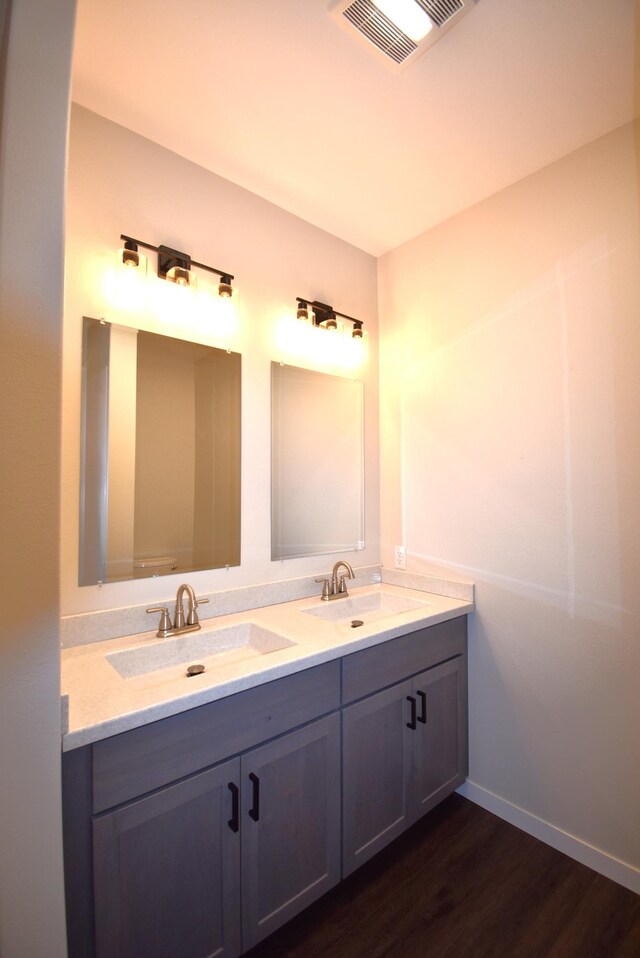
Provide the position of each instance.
(399, 557)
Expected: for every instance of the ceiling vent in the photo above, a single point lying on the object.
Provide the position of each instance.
(365, 20)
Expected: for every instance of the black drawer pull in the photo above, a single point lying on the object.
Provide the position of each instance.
(254, 811)
(423, 707)
(412, 722)
(234, 821)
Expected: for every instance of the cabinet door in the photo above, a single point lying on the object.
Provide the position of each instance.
(167, 872)
(377, 750)
(440, 739)
(290, 825)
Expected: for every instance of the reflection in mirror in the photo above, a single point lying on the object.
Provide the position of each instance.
(317, 463)
(160, 456)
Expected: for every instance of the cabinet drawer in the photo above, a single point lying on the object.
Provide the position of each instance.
(146, 758)
(365, 672)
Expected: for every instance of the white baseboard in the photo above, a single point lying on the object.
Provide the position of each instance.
(599, 861)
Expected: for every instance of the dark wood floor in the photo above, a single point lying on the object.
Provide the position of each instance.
(464, 884)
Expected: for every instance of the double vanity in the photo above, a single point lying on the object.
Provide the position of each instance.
(204, 807)
(225, 766)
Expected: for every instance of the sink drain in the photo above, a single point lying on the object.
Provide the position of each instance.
(356, 622)
(194, 670)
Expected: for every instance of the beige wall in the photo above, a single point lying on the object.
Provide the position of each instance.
(216, 519)
(511, 454)
(165, 451)
(121, 183)
(33, 118)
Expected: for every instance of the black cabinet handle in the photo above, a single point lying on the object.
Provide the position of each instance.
(423, 707)
(412, 723)
(254, 811)
(234, 821)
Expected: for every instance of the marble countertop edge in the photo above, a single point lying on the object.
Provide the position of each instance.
(102, 703)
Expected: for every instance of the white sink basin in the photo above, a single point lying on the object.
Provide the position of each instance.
(367, 608)
(211, 648)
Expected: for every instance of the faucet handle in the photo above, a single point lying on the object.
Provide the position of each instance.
(192, 616)
(342, 588)
(326, 588)
(164, 625)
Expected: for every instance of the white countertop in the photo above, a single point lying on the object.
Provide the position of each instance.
(103, 703)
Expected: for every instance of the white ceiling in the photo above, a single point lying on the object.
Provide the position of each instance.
(275, 96)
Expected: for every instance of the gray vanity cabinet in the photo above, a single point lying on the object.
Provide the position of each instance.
(171, 869)
(290, 825)
(376, 771)
(440, 737)
(167, 872)
(199, 834)
(405, 747)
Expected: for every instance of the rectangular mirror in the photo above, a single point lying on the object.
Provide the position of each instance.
(160, 455)
(317, 463)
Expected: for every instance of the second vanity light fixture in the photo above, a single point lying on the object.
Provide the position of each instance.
(325, 316)
(173, 265)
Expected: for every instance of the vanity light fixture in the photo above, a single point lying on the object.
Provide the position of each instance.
(174, 265)
(325, 316)
(130, 257)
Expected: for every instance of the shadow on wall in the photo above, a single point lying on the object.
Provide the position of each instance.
(528, 465)
(541, 699)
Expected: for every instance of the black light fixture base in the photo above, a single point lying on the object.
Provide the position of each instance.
(325, 316)
(322, 314)
(168, 258)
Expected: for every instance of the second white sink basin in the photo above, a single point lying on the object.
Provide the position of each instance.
(368, 608)
(211, 648)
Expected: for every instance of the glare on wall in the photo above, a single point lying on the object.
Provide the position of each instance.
(298, 340)
(136, 297)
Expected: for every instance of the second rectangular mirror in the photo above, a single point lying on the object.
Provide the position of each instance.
(317, 463)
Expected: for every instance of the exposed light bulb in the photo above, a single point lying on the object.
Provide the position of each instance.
(129, 255)
(130, 259)
(225, 289)
(181, 276)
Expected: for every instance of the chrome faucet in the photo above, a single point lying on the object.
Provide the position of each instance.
(336, 587)
(180, 625)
